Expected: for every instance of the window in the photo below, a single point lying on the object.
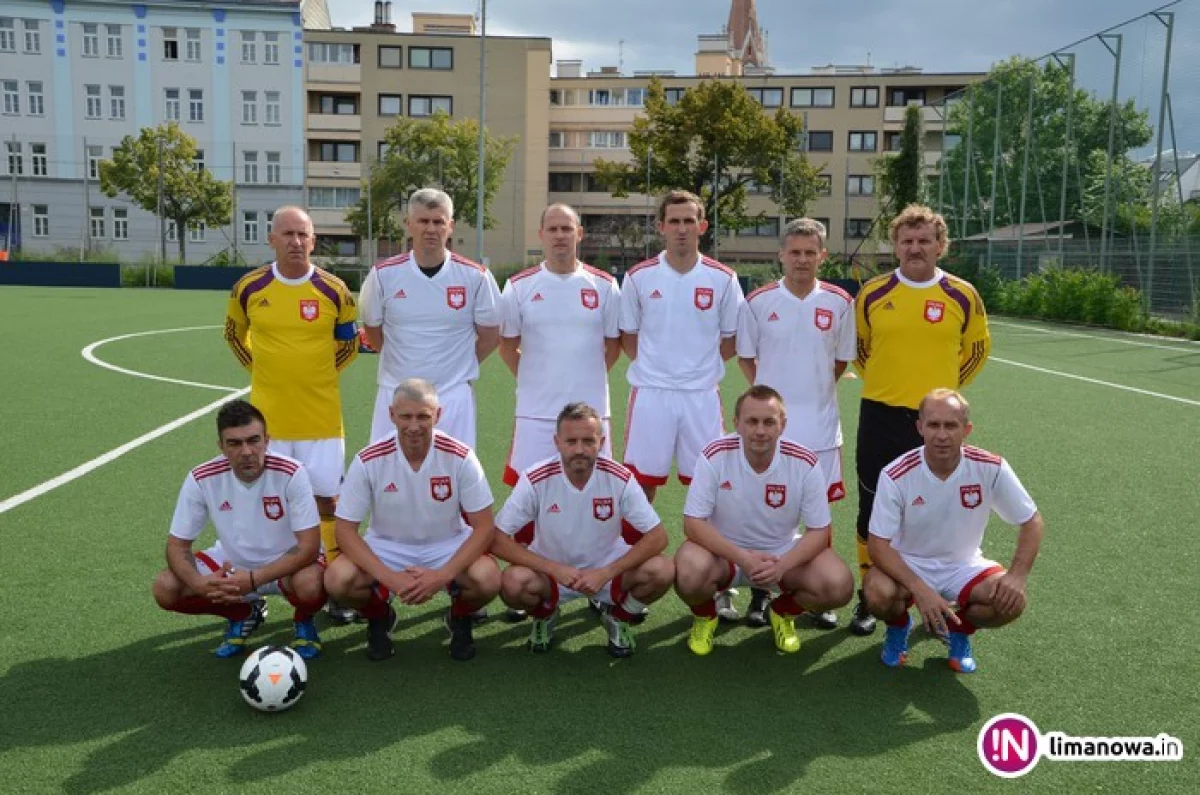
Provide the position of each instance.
(768, 228)
(858, 228)
(198, 161)
(249, 46)
(16, 162)
(339, 246)
(673, 95)
(171, 104)
(564, 183)
(338, 104)
(116, 103)
(33, 36)
(8, 34)
(860, 185)
(430, 58)
(196, 104)
(382, 150)
(899, 97)
(120, 223)
(250, 227)
(812, 97)
(635, 97)
(170, 44)
(891, 141)
(37, 100)
(196, 232)
(767, 97)
(329, 52)
(274, 170)
(556, 97)
(271, 114)
(820, 141)
(607, 140)
(390, 104)
(41, 220)
(599, 96)
(333, 198)
(250, 167)
(94, 155)
(335, 151)
(96, 218)
(93, 104)
(864, 97)
(114, 41)
(91, 40)
(824, 184)
(12, 97)
(249, 107)
(271, 48)
(39, 163)
(193, 45)
(864, 141)
(557, 139)
(427, 106)
(389, 57)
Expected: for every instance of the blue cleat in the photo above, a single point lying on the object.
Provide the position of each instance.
(307, 642)
(239, 631)
(960, 658)
(895, 644)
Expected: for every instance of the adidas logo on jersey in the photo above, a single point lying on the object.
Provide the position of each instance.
(400, 294)
(655, 295)
(263, 304)
(390, 488)
(537, 297)
(918, 501)
(225, 506)
(554, 509)
(772, 318)
(727, 486)
(889, 305)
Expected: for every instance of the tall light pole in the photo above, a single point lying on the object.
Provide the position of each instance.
(479, 175)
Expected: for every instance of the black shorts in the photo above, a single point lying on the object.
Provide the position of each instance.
(884, 434)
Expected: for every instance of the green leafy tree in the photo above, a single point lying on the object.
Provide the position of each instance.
(901, 175)
(189, 196)
(1007, 87)
(716, 135)
(439, 152)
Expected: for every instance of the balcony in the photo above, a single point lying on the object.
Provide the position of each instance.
(335, 169)
(592, 114)
(931, 116)
(332, 74)
(334, 122)
(329, 221)
(576, 156)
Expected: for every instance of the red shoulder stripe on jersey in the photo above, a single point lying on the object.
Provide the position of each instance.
(613, 468)
(909, 460)
(464, 261)
(712, 263)
(838, 291)
(525, 273)
(277, 468)
(608, 277)
(544, 467)
(282, 463)
(794, 450)
(399, 259)
(720, 445)
(981, 455)
(448, 445)
(378, 450)
(202, 472)
(766, 288)
(648, 263)
(548, 471)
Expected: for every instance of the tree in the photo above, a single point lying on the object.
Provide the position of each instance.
(717, 135)
(189, 196)
(901, 176)
(1007, 87)
(629, 235)
(419, 154)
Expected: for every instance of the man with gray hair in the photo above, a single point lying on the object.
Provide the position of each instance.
(797, 335)
(431, 314)
(418, 485)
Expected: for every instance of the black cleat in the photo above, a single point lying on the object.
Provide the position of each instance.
(480, 616)
(462, 641)
(756, 613)
(514, 616)
(340, 615)
(379, 636)
(862, 623)
(824, 620)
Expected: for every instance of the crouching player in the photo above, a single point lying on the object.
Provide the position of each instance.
(931, 509)
(757, 513)
(268, 537)
(418, 485)
(575, 512)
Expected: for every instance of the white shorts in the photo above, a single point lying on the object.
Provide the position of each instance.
(954, 581)
(533, 441)
(560, 594)
(830, 462)
(662, 424)
(212, 559)
(738, 577)
(457, 420)
(325, 460)
(398, 556)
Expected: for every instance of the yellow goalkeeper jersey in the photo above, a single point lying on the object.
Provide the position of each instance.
(915, 337)
(294, 336)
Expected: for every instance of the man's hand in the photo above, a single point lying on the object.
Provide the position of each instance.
(767, 573)
(230, 585)
(757, 565)
(590, 581)
(1009, 596)
(424, 585)
(935, 611)
(565, 575)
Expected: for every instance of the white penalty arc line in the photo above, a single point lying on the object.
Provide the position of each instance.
(89, 353)
(1098, 382)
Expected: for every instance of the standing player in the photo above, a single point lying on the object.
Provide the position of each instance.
(262, 507)
(433, 315)
(299, 321)
(560, 336)
(919, 328)
(797, 335)
(575, 506)
(418, 485)
(931, 510)
(757, 513)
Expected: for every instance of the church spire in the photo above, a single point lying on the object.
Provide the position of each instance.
(745, 37)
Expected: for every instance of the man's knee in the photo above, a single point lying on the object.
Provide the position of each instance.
(483, 577)
(881, 591)
(517, 583)
(341, 577)
(693, 566)
(167, 589)
(308, 584)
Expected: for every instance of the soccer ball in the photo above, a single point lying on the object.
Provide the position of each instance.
(273, 678)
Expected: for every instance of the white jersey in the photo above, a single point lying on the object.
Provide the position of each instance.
(563, 322)
(796, 342)
(680, 319)
(257, 522)
(943, 520)
(429, 323)
(759, 511)
(579, 528)
(414, 508)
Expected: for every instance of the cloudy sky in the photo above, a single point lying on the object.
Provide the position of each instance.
(937, 35)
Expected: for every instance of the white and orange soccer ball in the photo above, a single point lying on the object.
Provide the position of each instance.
(273, 678)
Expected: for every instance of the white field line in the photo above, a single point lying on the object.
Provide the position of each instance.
(1098, 382)
(117, 452)
(1183, 346)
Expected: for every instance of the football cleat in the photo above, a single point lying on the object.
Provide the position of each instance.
(784, 628)
(306, 641)
(862, 623)
(541, 633)
(238, 632)
(462, 639)
(823, 620)
(960, 658)
(700, 639)
(756, 613)
(379, 636)
(620, 638)
(725, 607)
(895, 644)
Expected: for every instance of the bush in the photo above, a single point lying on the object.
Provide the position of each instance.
(759, 273)
(140, 276)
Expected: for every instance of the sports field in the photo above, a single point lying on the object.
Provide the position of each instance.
(100, 690)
